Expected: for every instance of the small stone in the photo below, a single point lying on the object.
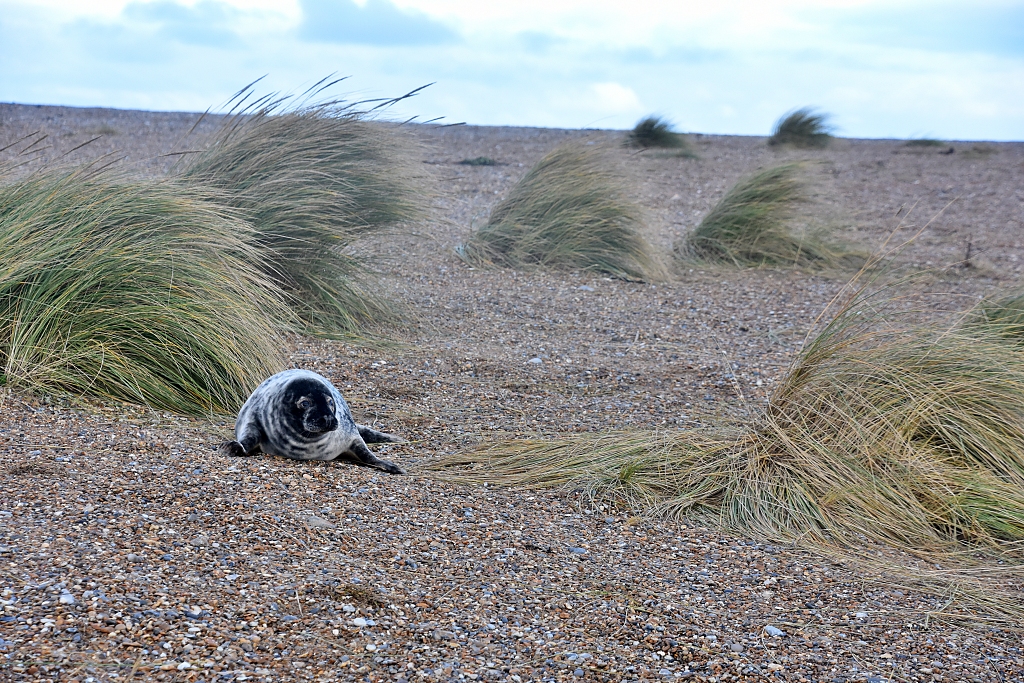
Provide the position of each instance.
(609, 520)
(665, 672)
(772, 666)
(66, 599)
(132, 557)
(200, 541)
(772, 631)
(578, 551)
(535, 361)
(370, 647)
(317, 522)
(736, 647)
(183, 666)
(578, 673)
(585, 288)
(360, 622)
(861, 615)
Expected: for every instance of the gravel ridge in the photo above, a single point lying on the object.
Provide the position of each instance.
(130, 549)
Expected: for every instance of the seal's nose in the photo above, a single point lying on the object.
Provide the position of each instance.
(330, 423)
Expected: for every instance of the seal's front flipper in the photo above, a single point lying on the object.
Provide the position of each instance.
(362, 456)
(371, 435)
(249, 444)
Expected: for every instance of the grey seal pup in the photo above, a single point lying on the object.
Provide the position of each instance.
(299, 414)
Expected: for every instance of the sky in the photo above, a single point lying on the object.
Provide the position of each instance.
(882, 69)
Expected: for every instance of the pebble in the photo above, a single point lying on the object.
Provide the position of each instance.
(535, 361)
(775, 632)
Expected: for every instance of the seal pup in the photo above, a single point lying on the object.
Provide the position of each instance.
(299, 414)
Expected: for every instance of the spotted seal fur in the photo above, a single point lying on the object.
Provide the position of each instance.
(299, 414)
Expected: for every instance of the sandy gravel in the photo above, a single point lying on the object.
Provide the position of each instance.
(129, 549)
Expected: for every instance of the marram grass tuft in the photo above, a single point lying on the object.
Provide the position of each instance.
(313, 181)
(802, 128)
(750, 226)
(879, 434)
(653, 131)
(570, 211)
(139, 291)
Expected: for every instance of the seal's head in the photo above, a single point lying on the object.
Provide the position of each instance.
(309, 407)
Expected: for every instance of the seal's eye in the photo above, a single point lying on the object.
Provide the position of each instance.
(304, 403)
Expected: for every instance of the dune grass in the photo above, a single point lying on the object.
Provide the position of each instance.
(653, 131)
(802, 128)
(314, 180)
(924, 142)
(570, 211)
(139, 291)
(750, 226)
(879, 434)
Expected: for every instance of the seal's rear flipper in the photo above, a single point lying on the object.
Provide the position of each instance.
(373, 436)
(362, 455)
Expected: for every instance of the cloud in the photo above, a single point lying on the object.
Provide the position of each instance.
(208, 22)
(617, 98)
(378, 22)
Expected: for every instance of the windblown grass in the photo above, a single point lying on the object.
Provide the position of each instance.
(749, 226)
(569, 211)
(655, 132)
(139, 291)
(313, 181)
(924, 142)
(802, 128)
(879, 434)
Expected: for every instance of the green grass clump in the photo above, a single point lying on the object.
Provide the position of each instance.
(924, 142)
(749, 226)
(313, 181)
(479, 161)
(139, 291)
(570, 211)
(802, 128)
(655, 132)
(912, 438)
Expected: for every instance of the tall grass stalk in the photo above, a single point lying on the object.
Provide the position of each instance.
(802, 128)
(879, 434)
(749, 225)
(139, 291)
(313, 181)
(570, 211)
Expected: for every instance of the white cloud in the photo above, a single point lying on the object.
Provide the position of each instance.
(617, 98)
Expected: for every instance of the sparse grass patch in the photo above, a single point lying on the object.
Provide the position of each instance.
(313, 181)
(750, 226)
(655, 132)
(880, 434)
(138, 291)
(569, 211)
(802, 128)
(924, 142)
(479, 161)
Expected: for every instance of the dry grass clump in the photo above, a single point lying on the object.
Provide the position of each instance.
(569, 211)
(802, 128)
(749, 225)
(313, 181)
(912, 438)
(653, 131)
(140, 291)
(924, 142)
